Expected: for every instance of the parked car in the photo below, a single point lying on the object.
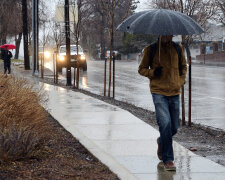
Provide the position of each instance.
(62, 61)
(117, 54)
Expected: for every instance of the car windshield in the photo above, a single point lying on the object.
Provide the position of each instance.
(72, 49)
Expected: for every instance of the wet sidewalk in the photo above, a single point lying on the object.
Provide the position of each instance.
(123, 142)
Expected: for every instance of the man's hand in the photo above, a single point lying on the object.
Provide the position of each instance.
(158, 71)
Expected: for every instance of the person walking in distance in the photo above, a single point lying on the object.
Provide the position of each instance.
(164, 64)
(6, 56)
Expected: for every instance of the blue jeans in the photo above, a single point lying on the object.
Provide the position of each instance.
(167, 110)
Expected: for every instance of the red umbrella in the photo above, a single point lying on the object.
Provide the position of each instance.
(10, 46)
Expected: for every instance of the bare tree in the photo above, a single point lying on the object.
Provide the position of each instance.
(56, 34)
(11, 19)
(111, 8)
(96, 29)
(10, 23)
(45, 38)
(200, 10)
(221, 9)
(79, 10)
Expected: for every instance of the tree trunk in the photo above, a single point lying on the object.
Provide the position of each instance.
(18, 41)
(25, 35)
(0, 29)
(78, 66)
(3, 31)
(102, 38)
(3, 34)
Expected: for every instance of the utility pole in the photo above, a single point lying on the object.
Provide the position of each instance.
(189, 109)
(25, 35)
(67, 31)
(37, 42)
(35, 36)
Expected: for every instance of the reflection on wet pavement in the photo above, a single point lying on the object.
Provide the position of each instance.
(208, 84)
(84, 82)
(208, 95)
(123, 142)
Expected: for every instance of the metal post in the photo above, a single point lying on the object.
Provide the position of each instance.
(110, 66)
(37, 36)
(182, 95)
(105, 74)
(114, 75)
(41, 66)
(67, 31)
(189, 112)
(78, 73)
(34, 37)
(74, 77)
(54, 71)
(42, 62)
(183, 106)
(56, 59)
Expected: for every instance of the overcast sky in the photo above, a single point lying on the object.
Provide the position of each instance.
(141, 6)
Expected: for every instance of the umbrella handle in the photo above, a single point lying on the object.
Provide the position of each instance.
(159, 47)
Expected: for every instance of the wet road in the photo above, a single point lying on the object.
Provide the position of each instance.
(208, 89)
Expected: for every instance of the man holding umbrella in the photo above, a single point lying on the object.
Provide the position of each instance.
(165, 66)
(166, 79)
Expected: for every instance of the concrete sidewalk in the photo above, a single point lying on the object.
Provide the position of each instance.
(123, 142)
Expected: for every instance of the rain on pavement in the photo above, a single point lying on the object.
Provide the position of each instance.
(208, 84)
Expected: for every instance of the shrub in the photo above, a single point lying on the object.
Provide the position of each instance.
(22, 119)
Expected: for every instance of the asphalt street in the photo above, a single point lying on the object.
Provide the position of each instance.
(208, 84)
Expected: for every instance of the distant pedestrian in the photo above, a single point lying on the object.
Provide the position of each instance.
(6, 56)
(166, 68)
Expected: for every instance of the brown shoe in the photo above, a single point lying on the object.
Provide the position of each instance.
(169, 166)
(159, 152)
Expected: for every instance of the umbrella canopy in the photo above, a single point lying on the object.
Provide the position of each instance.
(10, 46)
(160, 22)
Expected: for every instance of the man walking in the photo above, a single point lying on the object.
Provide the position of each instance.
(6, 56)
(165, 65)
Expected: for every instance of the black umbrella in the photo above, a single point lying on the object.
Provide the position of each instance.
(160, 22)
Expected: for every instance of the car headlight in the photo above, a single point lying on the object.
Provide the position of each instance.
(47, 54)
(82, 57)
(61, 58)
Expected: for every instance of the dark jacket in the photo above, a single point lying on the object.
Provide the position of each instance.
(6, 55)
